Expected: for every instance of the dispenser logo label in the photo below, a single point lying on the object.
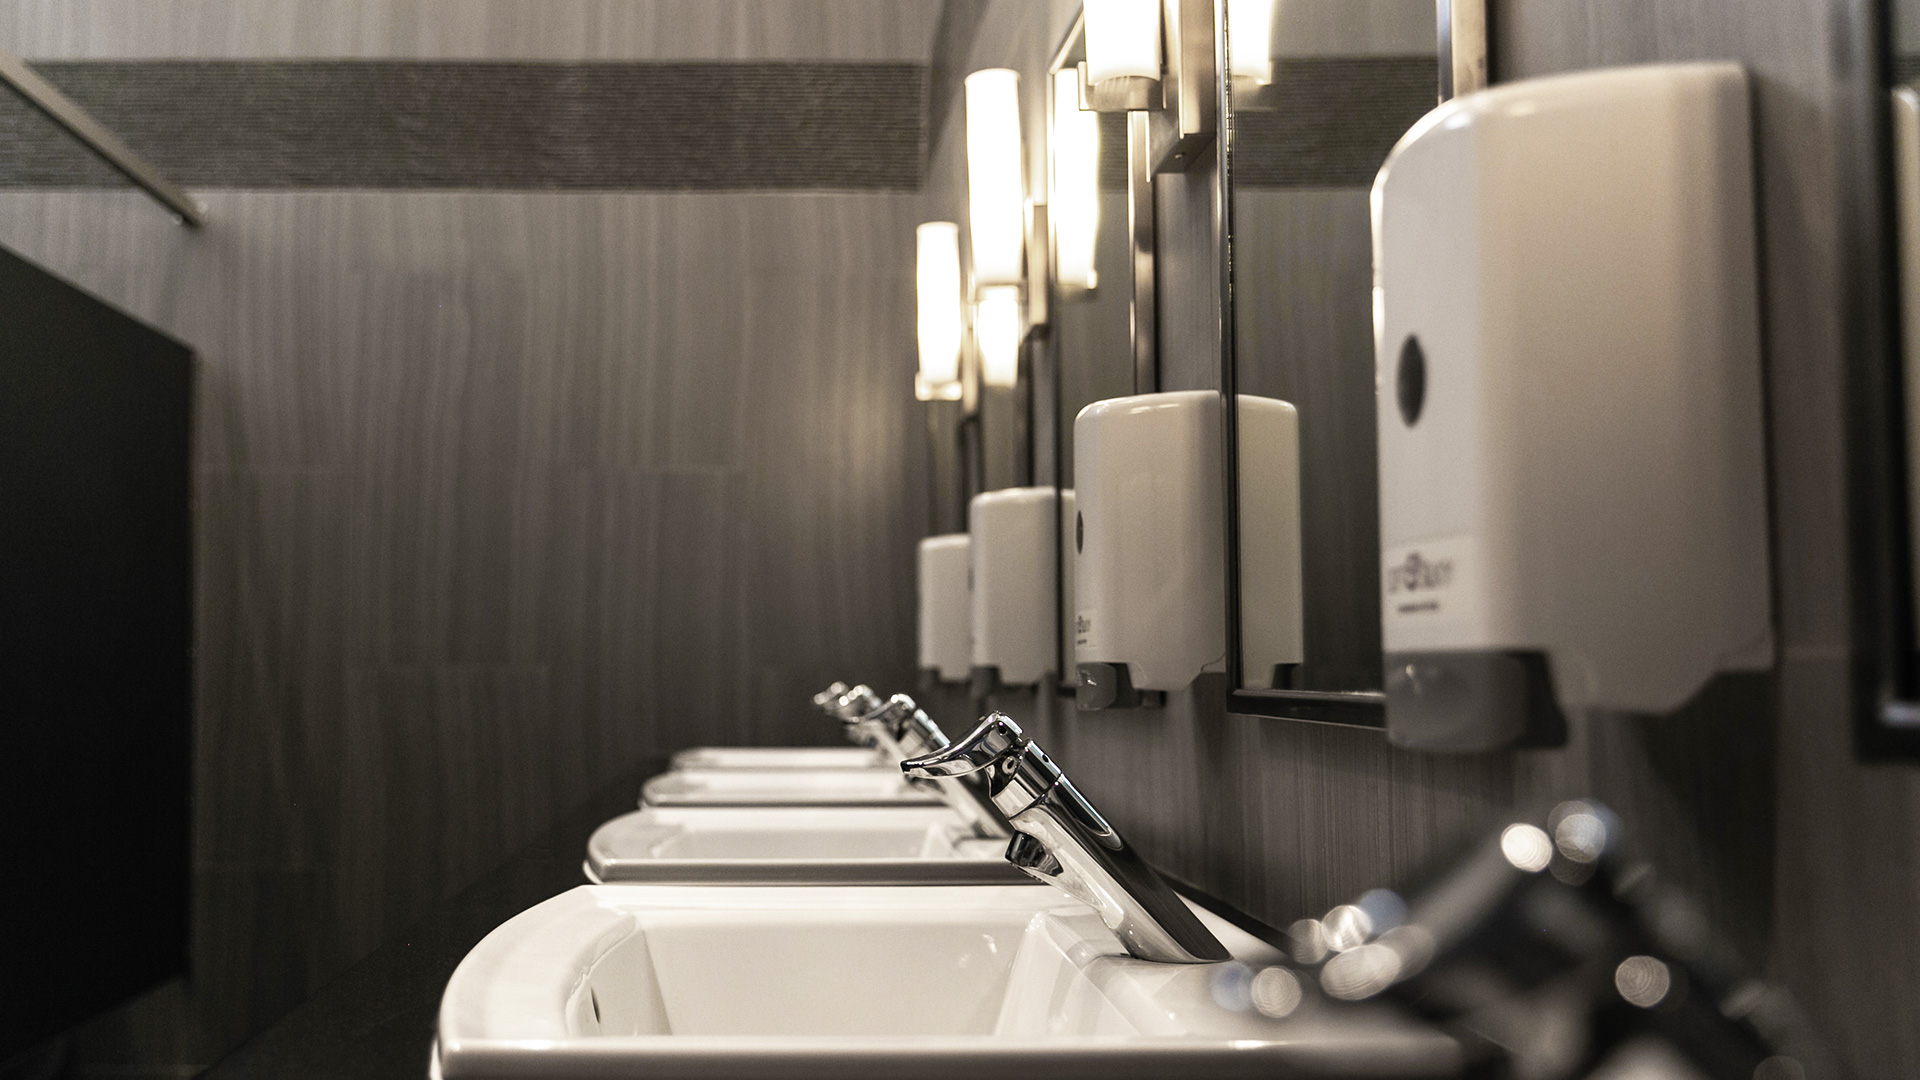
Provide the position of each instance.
(1429, 581)
(1082, 627)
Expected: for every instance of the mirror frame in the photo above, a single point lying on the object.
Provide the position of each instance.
(1350, 708)
(1885, 657)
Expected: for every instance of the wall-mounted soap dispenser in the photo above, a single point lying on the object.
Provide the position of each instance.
(946, 608)
(1150, 582)
(1015, 560)
(1572, 472)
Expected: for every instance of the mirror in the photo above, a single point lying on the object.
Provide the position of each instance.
(1885, 449)
(1311, 126)
(1092, 336)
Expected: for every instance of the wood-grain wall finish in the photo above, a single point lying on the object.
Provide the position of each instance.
(497, 494)
(1749, 795)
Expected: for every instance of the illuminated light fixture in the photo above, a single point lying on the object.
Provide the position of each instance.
(1250, 40)
(996, 186)
(996, 328)
(942, 314)
(1123, 39)
(1074, 204)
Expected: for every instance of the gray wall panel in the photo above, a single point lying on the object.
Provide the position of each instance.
(498, 493)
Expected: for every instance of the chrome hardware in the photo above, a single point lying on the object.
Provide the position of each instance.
(1065, 842)
(824, 700)
(902, 729)
(848, 705)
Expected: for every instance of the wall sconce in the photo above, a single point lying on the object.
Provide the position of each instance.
(1074, 203)
(997, 331)
(942, 315)
(1123, 54)
(1181, 103)
(996, 183)
(1250, 40)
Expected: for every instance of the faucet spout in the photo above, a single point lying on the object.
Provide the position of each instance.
(903, 729)
(1062, 840)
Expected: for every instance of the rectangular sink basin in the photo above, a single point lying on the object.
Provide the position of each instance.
(797, 845)
(673, 982)
(779, 787)
(779, 757)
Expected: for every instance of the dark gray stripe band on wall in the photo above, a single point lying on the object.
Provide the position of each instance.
(1330, 122)
(414, 124)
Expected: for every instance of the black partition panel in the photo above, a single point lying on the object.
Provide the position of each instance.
(96, 625)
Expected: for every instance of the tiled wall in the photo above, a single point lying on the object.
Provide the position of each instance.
(500, 488)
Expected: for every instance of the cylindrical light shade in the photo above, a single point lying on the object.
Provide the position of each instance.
(942, 316)
(1074, 205)
(996, 185)
(996, 329)
(1123, 39)
(1250, 39)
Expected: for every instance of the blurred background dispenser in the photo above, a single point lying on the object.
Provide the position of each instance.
(1150, 536)
(946, 609)
(1572, 477)
(1016, 584)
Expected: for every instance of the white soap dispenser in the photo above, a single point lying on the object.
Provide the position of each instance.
(1151, 574)
(1015, 552)
(1572, 472)
(946, 608)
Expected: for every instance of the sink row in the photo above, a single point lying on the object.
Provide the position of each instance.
(886, 909)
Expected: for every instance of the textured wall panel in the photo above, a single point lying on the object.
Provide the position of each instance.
(498, 493)
(403, 124)
(1329, 121)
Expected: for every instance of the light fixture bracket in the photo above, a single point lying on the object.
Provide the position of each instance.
(1187, 119)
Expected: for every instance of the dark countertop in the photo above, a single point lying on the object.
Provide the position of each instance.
(376, 1021)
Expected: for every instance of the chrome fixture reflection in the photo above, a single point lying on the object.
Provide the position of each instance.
(1550, 941)
(1062, 840)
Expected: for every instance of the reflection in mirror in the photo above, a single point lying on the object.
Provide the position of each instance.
(1889, 725)
(1093, 272)
(1321, 90)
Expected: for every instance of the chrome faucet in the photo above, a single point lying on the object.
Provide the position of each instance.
(1062, 840)
(901, 728)
(847, 705)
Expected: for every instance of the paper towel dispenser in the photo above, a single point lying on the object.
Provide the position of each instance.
(1150, 535)
(946, 608)
(1015, 557)
(1572, 473)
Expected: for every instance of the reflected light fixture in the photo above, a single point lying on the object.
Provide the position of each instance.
(996, 329)
(1074, 203)
(942, 314)
(996, 187)
(1123, 39)
(1250, 40)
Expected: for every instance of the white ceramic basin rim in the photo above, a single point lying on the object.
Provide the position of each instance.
(795, 845)
(775, 787)
(679, 981)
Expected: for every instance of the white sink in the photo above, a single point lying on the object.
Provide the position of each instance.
(777, 787)
(796, 845)
(779, 757)
(966, 982)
